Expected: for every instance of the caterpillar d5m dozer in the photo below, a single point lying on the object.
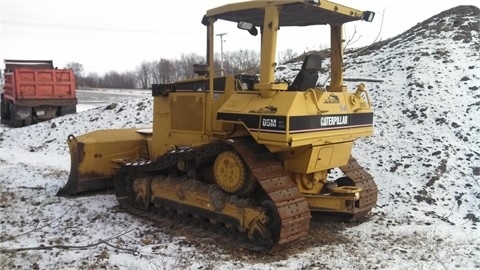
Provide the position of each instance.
(250, 154)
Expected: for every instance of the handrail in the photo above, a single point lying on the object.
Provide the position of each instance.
(311, 90)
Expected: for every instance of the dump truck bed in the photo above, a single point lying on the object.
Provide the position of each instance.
(27, 86)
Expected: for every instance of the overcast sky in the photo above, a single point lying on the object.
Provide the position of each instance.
(106, 35)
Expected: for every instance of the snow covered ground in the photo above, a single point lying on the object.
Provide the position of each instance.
(425, 156)
(92, 98)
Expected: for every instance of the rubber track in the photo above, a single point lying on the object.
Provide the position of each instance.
(363, 179)
(291, 204)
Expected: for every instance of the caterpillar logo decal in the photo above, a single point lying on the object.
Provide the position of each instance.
(338, 120)
(298, 124)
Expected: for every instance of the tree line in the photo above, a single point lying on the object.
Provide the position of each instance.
(166, 70)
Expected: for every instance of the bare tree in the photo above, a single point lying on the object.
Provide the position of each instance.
(243, 61)
(286, 55)
(167, 70)
(112, 79)
(162, 71)
(170, 70)
(77, 68)
(92, 80)
(78, 72)
(130, 80)
(143, 74)
(155, 71)
(185, 65)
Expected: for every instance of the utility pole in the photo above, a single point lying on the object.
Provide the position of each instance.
(221, 51)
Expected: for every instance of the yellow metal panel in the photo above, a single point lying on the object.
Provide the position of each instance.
(102, 146)
(161, 126)
(323, 159)
(335, 156)
(187, 112)
(318, 158)
(238, 102)
(340, 9)
(178, 138)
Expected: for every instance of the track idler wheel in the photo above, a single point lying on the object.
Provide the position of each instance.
(133, 190)
(231, 174)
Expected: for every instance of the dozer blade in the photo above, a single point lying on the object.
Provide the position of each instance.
(96, 157)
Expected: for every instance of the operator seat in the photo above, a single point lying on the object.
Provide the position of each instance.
(307, 77)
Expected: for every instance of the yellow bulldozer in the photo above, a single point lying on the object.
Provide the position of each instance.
(244, 151)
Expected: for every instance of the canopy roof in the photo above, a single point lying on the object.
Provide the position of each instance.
(292, 12)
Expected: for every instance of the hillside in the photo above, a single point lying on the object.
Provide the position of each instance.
(424, 155)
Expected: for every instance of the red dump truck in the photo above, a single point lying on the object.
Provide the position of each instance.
(35, 91)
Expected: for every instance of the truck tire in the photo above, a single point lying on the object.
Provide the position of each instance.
(4, 109)
(14, 122)
(27, 122)
(13, 119)
(69, 109)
